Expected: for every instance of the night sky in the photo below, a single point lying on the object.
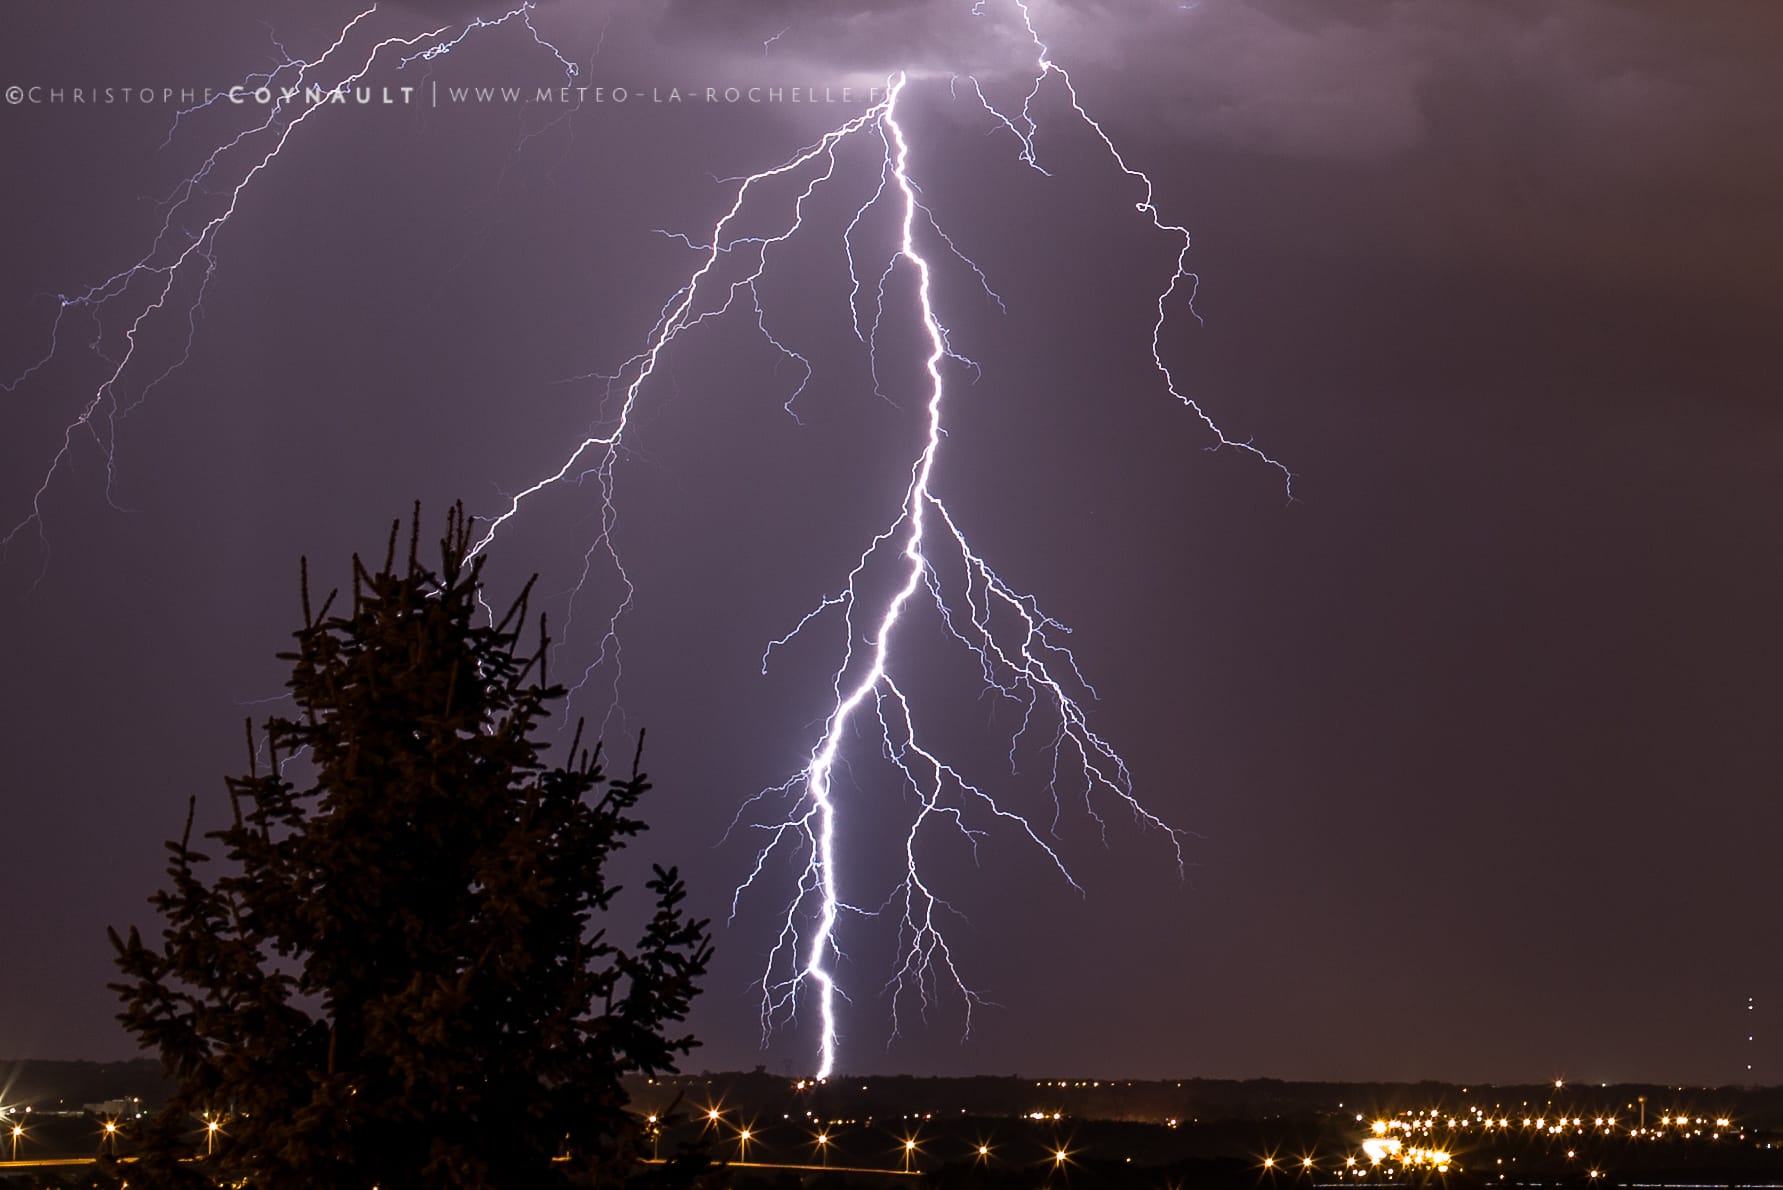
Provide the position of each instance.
(1476, 741)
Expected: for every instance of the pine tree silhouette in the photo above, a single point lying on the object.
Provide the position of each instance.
(397, 975)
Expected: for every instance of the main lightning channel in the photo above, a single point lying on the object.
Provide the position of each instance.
(823, 759)
(1021, 659)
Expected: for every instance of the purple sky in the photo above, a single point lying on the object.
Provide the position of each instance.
(1477, 740)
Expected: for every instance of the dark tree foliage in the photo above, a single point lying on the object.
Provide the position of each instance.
(396, 976)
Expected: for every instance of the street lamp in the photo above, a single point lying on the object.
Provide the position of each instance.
(110, 1137)
(18, 1130)
(1058, 1157)
(909, 1151)
(822, 1140)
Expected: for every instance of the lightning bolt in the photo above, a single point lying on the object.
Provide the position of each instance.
(866, 683)
(920, 563)
(1021, 657)
(179, 251)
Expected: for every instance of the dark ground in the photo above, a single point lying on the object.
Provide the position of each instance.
(1189, 1133)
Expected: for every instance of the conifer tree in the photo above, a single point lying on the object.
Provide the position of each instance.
(396, 975)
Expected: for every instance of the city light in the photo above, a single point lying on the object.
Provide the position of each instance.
(1412, 1147)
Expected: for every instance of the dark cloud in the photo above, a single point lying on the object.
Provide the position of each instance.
(1308, 77)
(1320, 79)
(464, 8)
(1623, 137)
(920, 36)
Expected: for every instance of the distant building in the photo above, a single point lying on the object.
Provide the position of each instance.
(115, 1109)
